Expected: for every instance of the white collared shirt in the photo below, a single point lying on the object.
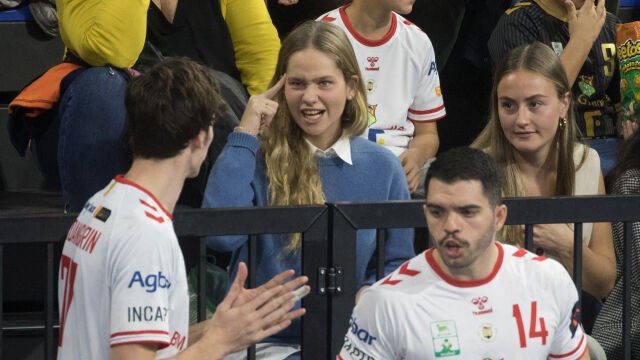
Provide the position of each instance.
(341, 148)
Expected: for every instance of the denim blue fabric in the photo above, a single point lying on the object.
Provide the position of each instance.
(607, 149)
(84, 147)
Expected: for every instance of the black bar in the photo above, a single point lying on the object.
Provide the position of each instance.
(380, 246)
(343, 253)
(528, 237)
(316, 334)
(577, 259)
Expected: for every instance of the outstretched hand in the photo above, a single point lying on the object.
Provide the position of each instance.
(586, 22)
(260, 110)
(246, 316)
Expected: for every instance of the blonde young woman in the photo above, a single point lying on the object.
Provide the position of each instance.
(298, 144)
(531, 133)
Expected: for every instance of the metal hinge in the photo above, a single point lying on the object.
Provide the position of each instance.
(330, 280)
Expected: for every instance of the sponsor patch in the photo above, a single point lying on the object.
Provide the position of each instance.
(102, 213)
(445, 338)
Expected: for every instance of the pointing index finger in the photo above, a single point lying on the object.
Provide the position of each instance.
(271, 92)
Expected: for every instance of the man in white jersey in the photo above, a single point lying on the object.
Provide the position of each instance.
(399, 72)
(122, 287)
(468, 297)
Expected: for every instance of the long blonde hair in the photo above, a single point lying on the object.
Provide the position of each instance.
(539, 59)
(290, 165)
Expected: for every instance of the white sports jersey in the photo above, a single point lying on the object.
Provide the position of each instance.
(122, 277)
(401, 78)
(525, 309)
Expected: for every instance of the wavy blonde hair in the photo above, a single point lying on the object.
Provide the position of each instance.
(539, 59)
(290, 165)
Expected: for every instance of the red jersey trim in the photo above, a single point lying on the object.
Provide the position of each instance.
(141, 332)
(161, 344)
(428, 120)
(465, 283)
(425, 112)
(571, 352)
(121, 179)
(363, 40)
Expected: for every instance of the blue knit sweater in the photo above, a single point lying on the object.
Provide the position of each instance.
(238, 179)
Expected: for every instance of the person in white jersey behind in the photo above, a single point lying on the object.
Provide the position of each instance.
(399, 71)
(122, 286)
(469, 296)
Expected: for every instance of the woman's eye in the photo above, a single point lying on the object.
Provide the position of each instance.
(507, 105)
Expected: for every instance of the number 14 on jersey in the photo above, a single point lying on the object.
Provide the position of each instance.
(537, 328)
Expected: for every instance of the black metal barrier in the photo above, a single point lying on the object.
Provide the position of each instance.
(328, 251)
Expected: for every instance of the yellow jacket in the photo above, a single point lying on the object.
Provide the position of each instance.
(113, 32)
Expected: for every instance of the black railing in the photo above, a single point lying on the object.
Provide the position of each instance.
(328, 252)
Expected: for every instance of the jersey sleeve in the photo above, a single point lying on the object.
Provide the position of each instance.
(570, 340)
(428, 104)
(104, 32)
(255, 42)
(372, 331)
(514, 28)
(141, 272)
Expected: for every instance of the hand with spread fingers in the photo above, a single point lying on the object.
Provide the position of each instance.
(260, 110)
(247, 316)
(586, 22)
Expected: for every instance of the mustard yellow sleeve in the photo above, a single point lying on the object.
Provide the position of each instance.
(104, 31)
(255, 41)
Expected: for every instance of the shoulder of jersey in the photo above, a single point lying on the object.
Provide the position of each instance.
(402, 21)
(521, 257)
(330, 16)
(148, 209)
(406, 276)
(517, 7)
(141, 205)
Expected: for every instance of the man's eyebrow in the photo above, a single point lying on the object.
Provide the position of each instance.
(458, 208)
(469, 207)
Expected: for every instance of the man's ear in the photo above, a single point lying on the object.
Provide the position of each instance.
(199, 141)
(500, 213)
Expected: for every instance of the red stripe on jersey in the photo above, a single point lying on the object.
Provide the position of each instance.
(426, 121)
(328, 18)
(161, 344)
(404, 270)
(571, 352)
(142, 332)
(407, 22)
(158, 219)
(430, 111)
(121, 179)
(388, 281)
(520, 253)
(148, 205)
(338, 357)
(539, 258)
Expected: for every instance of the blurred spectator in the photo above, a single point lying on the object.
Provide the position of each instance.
(623, 179)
